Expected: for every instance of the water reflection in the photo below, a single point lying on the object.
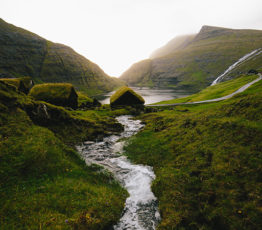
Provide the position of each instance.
(150, 95)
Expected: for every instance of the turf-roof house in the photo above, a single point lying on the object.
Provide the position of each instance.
(23, 84)
(62, 94)
(15, 82)
(126, 96)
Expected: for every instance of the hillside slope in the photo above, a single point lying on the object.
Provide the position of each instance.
(207, 161)
(26, 54)
(43, 182)
(177, 43)
(196, 65)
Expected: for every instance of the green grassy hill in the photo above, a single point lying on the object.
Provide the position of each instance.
(26, 54)
(215, 91)
(200, 61)
(177, 43)
(207, 159)
(43, 182)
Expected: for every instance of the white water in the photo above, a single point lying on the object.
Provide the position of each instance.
(141, 212)
(241, 60)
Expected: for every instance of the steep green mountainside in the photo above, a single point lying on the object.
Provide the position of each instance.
(177, 43)
(207, 159)
(254, 63)
(139, 74)
(196, 65)
(26, 54)
(43, 182)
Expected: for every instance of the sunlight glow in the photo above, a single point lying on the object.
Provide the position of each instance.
(116, 33)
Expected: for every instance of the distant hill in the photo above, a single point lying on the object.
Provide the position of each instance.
(177, 43)
(26, 54)
(195, 61)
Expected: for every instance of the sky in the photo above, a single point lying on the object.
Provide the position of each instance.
(117, 33)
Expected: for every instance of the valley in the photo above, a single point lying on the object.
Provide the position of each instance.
(178, 149)
(197, 63)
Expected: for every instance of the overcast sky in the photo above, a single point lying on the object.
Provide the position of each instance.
(116, 33)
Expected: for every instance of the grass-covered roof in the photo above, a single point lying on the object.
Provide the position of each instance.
(62, 94)
(22, 84)
(12, 81)
(125, 96)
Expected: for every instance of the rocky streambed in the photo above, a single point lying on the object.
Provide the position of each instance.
(141, 211)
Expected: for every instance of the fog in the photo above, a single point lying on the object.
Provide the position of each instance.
(116, 33)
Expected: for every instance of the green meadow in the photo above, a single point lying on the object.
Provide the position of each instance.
(215, 91)
(207, 160)
(44, 184)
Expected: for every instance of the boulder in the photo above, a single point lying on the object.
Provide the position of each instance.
(126, 97)
(252, 71)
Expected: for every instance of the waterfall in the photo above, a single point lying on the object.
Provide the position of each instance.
(241, 60)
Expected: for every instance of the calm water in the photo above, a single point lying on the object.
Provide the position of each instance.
(151, 95)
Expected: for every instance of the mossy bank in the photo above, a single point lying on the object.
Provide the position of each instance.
(207, 160)
(44, 184)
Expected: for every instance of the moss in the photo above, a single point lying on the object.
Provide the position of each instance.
(27, 54)
(126, 96)
(207, 161)
(196, 65)
(43, 182)
(215, 91)
(62, 94)
(28, 82)
(17, 82)
(84, 101)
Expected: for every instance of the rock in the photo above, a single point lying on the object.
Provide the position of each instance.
(252, 71)
(89, 142)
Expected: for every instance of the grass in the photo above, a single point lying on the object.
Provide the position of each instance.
(62, 94)
(44, 184)
(216, 91)
(207, 161)
(104, 113)
(122, 91)
(194, 67)
(83, 99)
(30, 55)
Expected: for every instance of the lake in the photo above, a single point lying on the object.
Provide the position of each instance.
(150, 95)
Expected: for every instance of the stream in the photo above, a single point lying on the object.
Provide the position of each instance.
(141, 211)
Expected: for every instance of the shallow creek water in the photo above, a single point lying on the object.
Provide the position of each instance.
(140, 210)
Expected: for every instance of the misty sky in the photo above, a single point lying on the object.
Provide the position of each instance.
(116, 33)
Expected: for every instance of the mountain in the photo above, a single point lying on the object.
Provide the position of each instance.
(26, 54)
(197, 61)
(175, 44)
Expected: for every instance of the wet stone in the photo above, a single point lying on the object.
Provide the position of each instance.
(141, 211)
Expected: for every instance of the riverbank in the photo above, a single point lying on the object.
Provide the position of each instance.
(43, 182)
(140, 210)
(207, 160)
